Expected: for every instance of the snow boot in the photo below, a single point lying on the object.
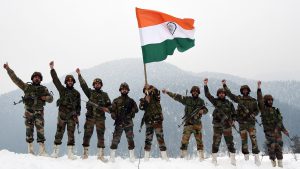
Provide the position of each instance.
(257, 160)
(273, 162)
(147, 155)
(71, 155)
(112, 155)
(55, 151)
(183, 154)
(42, 150)
(101, 155)
(214, 158)
(85, 153)
(232, 159)
(279, 162)
(164, 155)
(246, 156)
(131, 155)
(30, 148)
(201, 155)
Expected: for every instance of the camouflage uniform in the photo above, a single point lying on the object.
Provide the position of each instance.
(123, 111)
(94, 116)
(153, 119)
(246, 111)
(69, 108)
(34, 106)
(223, 115)
(273, 126)
(194, 125)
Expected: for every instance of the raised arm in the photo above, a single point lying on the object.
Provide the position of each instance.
(260, 99)
(83, 84)
(14, 77)
(177, 97)
(55, 78)
(232, 96)
(207, 93)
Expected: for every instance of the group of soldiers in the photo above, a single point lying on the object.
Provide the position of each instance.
(123, 109)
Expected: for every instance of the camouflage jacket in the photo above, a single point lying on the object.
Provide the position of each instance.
(153, 111)
(32, 93)
(95, 96)
(247, 107)
(123, 110)
(224, 111)
(270, 116)
(191, 104)
(69, 101)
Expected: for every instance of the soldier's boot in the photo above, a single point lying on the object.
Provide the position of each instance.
(71, 155)
(280, 163)
(214, 158)
(55, 151)
(232, 159)
(257, 160)
(85, 153)
(246, 156)
(42, 150)
(147, 155)
(112, 155)
(30, 148)
(101, 155)
(164, 155)
(183, 154)
(131, 155)
(201, 155)
(273, 162)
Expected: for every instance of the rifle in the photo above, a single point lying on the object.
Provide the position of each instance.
(121, 117)
(97, 106)
(75, 117)
(142, 123)
(290, 140)
(246, 110)
(187, 118)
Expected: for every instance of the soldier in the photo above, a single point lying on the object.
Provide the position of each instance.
(246, 111)
(273, 126)
(35, 98)
(95, 116)
(153, 118)
(223, 120)
(68, 112)
(194, 108)
(123, 110)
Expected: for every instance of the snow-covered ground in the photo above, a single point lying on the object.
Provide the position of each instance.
(10, 160)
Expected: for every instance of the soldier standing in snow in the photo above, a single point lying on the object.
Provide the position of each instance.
(35, 98)
(273, 126)
(194, 108)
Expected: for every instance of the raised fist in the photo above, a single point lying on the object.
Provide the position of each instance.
(78, 71)
(164, 91)
(5, 66)
(205, 81)
(259, 84)
(223, 81)
(51, 64)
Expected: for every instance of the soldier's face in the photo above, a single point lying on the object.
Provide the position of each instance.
(245, 92)
(221, 95)
(124, 91)
(36, 80)
(270, 102)
(195, 94)
(97, 85)
(70, 83)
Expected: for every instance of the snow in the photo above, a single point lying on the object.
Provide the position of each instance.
(10, 160)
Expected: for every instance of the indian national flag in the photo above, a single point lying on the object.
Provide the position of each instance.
(161, 34)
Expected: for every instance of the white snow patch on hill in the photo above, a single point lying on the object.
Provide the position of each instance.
(10, 160)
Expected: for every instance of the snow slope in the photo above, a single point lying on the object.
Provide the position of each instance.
(10, 160)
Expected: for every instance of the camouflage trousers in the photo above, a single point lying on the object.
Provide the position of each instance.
(65, 119)
(274, 143)
(117, 137)
(246, 129)
(89, 129)
(187, 132)
(158, 129)
(219, 131)
(34, 118)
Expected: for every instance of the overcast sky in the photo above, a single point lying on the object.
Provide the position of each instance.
(256, 39)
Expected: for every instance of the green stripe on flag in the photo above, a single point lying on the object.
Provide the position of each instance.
(159, 51)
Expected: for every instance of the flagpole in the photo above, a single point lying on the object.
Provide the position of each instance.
(145, 73)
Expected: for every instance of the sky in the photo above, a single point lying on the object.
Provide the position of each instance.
(254, 39)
